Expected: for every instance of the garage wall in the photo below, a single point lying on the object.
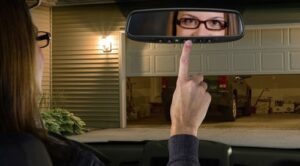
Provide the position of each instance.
(141, 92)
(42, 17)
(265, 49)
(274, 81)
(85, 79)
(145, 90)
(276, 87)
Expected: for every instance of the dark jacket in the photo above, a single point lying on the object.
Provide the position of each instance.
(65, 152)
(22, 149)
(183, 150)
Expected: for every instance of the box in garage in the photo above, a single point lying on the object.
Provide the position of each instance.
(283, 106)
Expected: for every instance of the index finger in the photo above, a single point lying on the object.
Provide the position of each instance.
(183, 74)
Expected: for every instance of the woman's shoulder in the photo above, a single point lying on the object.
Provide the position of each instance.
(66, 152)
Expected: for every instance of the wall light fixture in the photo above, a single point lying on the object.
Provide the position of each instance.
(105, 44)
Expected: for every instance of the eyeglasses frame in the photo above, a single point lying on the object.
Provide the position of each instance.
(178, 22)
(46, 36)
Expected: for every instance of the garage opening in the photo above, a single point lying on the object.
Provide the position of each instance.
(258, 101)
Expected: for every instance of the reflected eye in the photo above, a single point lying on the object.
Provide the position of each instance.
(215, 24)
(189, 22)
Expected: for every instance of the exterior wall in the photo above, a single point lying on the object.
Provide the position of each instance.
(85, 79)
(42, 17)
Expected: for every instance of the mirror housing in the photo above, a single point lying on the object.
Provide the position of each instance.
(176, 25)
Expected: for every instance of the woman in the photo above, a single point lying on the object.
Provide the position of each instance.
(21, 68)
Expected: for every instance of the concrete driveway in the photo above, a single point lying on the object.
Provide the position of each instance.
(273, 130)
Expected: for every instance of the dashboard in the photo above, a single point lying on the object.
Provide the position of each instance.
(155, 153)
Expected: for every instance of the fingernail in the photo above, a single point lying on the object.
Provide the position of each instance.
(188, 42)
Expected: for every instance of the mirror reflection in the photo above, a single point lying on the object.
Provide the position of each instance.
(189, 23)
(185, 23)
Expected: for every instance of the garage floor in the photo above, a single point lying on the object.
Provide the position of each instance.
(268, 121)
(264, 121)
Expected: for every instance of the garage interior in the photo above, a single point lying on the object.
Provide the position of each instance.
(275, 103)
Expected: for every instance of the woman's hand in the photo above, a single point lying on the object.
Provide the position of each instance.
(190, 100)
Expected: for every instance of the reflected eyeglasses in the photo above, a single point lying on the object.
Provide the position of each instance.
(43, 39)
(193, 23)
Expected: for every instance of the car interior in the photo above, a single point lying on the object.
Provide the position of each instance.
(26, 148)
(155, 152)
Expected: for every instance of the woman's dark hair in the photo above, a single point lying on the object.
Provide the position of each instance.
(18, 84)
(174, 29)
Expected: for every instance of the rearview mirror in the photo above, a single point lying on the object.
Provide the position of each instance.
(178, 25)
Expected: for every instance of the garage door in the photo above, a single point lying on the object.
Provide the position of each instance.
(265, 49)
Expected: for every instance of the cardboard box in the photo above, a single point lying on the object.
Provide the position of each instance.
(284, 108)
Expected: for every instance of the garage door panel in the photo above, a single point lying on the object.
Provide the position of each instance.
(166, 47)
(294, 37)
(272, 61)
(249, 40)
(196, 48)
(165, 64)
(272, 38)
(244, 62)
(196, 64)
(137, 45)
(139, 65)
(217, 62)
(265, 49)
(217, 46)
(294, 59)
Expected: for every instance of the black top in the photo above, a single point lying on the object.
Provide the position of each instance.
(65, 152)
(183, 150)
(21, 149)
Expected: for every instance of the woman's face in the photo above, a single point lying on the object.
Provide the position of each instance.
(42, 41)
(39, 67)
(188, 21)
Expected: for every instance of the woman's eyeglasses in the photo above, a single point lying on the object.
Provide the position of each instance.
(43, 39)
(193, 23)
